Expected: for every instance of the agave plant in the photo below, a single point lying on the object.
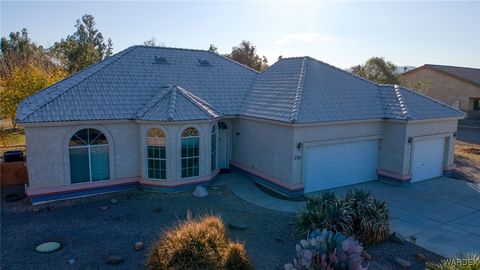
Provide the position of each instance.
(314, 214)
(338, 218)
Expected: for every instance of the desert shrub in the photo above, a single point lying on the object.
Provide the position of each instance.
(236, 258)
(469, 261)
(195, 244)
(359, 214)
(327, 250)
(371, 218)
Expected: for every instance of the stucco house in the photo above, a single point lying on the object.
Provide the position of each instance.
(456, 86)
(171, 119)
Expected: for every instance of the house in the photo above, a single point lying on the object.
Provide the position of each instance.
(456, 86)
(170, 119)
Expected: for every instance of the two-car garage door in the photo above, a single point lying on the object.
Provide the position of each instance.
(334, 165)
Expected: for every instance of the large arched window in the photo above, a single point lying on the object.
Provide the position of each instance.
(88, 151)
(214, 147)
(190, 155)
(156, 154)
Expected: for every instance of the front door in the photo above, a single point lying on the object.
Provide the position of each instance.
(223, 143)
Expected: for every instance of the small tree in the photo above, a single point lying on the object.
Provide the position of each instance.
(23, 82)
(212, 48)
(378, 70)
(246, 53)
(86, 46)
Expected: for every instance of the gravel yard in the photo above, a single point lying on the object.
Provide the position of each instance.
(467, 160)
(90, 235)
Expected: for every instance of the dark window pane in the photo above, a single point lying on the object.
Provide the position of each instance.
(99, 162)
(195, 172)
(79, 168)
(150, 173)
(163, 174)
(162, 152)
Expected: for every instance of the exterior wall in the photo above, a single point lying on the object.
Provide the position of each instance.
(263, 147)
(432, 129)
(445, 88)
(48, 158)
(333, 133)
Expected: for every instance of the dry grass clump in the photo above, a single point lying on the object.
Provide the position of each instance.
(467, 160)
(197, 244)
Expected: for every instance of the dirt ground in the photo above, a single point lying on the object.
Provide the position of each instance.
(467, 161)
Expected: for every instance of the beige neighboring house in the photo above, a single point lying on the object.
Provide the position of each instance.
(456, 86)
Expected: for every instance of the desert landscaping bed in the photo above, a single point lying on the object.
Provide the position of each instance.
(91, 233)
(467, 161)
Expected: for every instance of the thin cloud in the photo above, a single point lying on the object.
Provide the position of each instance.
(306, 37)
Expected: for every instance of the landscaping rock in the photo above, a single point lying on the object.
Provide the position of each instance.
(402, 262)
(200, 192)
(420, 257)
(113, 201)
(396, 237)
(48, 247)
(237, 227)
(115, 259)
(71, 261)
(103, 208)
(214, 187)
(35, 210)
(138, 245)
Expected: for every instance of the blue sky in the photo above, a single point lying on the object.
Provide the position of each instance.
(339, 33)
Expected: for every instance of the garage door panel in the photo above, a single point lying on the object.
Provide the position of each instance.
(428, 157)
(337, 165)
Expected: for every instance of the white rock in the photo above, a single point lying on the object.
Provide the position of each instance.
(200, 192)
(48, 247)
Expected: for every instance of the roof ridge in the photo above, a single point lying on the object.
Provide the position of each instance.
(432, 99)
(105, 62)
(437, 65)
(153, 101)
(299, 92)
(198, 102)
(402, 102)
(172, 103)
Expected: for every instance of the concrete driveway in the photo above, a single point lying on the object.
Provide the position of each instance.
(443, 213)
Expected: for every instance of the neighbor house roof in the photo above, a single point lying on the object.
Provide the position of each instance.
(471, 75)
(170, 84)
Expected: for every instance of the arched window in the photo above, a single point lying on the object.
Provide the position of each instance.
(88, 151)
(222, 125)
(190, 155)
(156, 154)
(214, 147)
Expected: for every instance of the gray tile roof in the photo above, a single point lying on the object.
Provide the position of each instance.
(169, 84)
(469, 74)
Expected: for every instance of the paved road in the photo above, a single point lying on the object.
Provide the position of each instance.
(469, 135)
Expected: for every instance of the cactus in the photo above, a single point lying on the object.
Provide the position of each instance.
(325, 250)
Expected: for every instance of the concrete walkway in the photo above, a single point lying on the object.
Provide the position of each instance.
(443, 213)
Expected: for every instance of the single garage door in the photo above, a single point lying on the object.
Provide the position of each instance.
(334, 165)
(428, 158)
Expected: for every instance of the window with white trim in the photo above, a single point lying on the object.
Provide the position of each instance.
(89, 156)
(190, 153)
(213, 141)
(156, 154)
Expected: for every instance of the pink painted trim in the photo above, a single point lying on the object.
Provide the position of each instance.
(267, 177)
(449, 167)
(407, 177)
(179, 183)
(32, 192)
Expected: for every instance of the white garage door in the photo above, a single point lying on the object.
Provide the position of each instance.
(428, 159)
(335, 165)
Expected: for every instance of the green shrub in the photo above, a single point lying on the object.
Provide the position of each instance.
(194, 244)
(371, 218)
(469, 261)
(359, 215)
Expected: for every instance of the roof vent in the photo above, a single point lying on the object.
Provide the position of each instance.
(204, 63)
(160, 60)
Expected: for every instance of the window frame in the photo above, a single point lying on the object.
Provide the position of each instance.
(213, 147)
(159, 159)
(191, 158)
(89, 148)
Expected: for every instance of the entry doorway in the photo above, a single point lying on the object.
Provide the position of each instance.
(223, 145)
